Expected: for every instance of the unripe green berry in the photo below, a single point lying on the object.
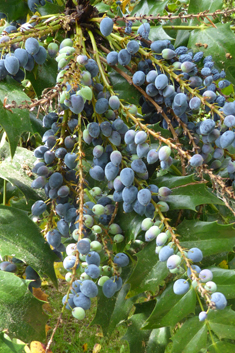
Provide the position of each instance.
(78, 313)
(98, 210)
(146, 224)
(96, 229)
(84, 276)
(96, 246)
(211, 286)
(68, 276)
(102, 280)
(106, 270)
(114, 229)
(118, 238)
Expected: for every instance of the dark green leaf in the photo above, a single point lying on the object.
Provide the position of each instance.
(222, 322)
(17, 121)
(196, 6)
(145, 341)
(43, 76)
(225, 280)
(219, 41)
(171, 308)
(50, 9)
(101, 7)
(21, 313)
(21, 237)
(171, 181)
(164, 132)
(149, 7)
(14, 9)
(191, 337)
(224, 347)
(110, 311)
(130, 223)
(123, 89)
(211, 237)
(149, 271)
(7, 346)
(36, 124)
(190, 196)
(15, 171)
(157, 33)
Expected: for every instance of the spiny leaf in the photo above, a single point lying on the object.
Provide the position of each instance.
(149, 271)
(171, 308)
(211, 237)
(21, 237)
(191, 337)
(15, 298)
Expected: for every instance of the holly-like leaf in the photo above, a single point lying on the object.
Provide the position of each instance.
(21, 312)
(191, 337)
(17, 172)
(171, 181)
(171, 308)
(190, 196)
(149, 7)
(220, 346)
(50, 8)
(196, 6)
(43, 76)
(130, 224)
(122, 88)
(14, 121)
(211, 237)
(7, 346)
(222, 322)
(14, 9)
(149, 271)
(21, 237)
(225, 281)
(157, 33)
(220, 42)
(145, 341)
(110, 311)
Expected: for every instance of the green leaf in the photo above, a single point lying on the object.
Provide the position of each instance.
(101, 7)
(122, 88)
(211, 237)
(196, 6)
(36, 124)
(130, 223)
(157, 33)
(17, 121)
(145, 341)
(110, 311)
(157, 128)
(171, 181)
(190, 196)
(15, 171)
(149, 7)
(21, 237)
(219, 41)
(225, 280)
(149, 271)
(43, 76)
(14, 9)
(191, 337)
(7, 346)
(50, 9)
(222, 322)
(171, 308)
(21, 313)
(219, 346)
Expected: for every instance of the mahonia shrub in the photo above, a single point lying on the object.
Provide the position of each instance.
(117, 163)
